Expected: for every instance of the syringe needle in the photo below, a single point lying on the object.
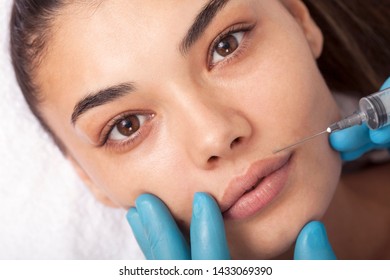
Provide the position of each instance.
(301, 141)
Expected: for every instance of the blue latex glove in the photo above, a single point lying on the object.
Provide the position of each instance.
(312, 243)
(355, 141)
(160, 238)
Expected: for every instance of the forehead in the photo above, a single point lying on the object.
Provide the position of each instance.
(102, 36)
(122, 21)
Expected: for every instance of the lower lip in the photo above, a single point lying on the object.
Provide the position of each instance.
(262, 195)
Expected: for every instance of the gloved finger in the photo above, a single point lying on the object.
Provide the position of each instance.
(350, 139)
(386, 84)
(139, 232)
(162, 233)
(313, 244)
(352, 155)
(381, 136)
(208, 237)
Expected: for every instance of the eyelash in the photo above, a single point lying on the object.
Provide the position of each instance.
(118, 145)
(234, 29)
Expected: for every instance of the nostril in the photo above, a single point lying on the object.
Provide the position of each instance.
(212, 159)
(235, 142)
(222, 153)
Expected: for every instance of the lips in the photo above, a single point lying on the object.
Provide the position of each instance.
(247, 194)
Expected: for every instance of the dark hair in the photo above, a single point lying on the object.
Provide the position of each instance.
(356, 55)
(30, 28)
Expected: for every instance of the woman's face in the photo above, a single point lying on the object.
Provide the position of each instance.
(154, 97)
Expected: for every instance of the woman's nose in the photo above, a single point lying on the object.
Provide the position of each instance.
(216, 133)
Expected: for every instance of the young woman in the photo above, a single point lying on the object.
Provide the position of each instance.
(177, 97)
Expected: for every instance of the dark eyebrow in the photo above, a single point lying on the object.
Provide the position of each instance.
(206, 15)
(99, 98)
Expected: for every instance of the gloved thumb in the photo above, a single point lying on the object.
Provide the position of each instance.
(313, 244)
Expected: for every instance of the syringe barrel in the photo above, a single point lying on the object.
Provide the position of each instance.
(376, 108)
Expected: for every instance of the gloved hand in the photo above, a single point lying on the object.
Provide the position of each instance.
(160, 238)
(312, 243)
(355, 141)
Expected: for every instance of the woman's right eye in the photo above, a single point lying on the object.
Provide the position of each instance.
(226, 46)
(229, 44)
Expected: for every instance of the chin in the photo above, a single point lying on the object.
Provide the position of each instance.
(272, 247)
(263, 237)
(272, 234)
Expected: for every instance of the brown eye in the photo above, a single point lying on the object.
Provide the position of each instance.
(126, 127)
(226, 46)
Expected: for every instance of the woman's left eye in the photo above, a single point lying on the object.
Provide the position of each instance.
(126, 127)
(225, 46)
(126, 131)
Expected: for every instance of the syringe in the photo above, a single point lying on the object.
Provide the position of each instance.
(374, 110)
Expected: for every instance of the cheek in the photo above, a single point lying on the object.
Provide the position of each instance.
(124, 177)
(281, 87)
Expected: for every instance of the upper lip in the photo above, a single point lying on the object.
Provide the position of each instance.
(243, 183)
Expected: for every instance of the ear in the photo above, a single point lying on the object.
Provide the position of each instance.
(99, 194)
(312, 32)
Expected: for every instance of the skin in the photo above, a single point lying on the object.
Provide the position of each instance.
(205, 125)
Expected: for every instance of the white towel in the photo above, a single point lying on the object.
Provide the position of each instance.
(45, 210)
